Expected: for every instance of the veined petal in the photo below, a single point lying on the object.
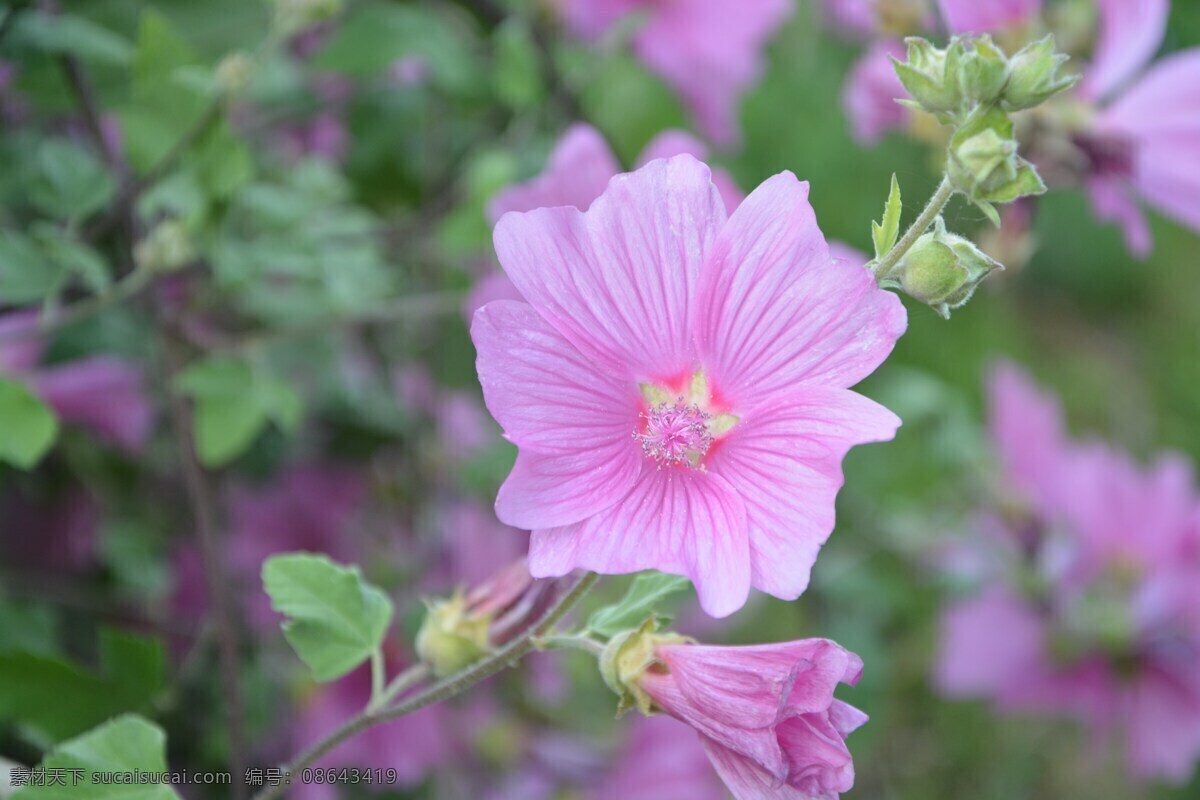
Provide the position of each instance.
(775, 310)
(549, 397)
(1130, 32)
(676, 520)
(619, 280)
(747, 780)
(545, 491)
(785, 461)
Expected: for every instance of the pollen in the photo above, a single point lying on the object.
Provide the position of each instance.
(675, 434)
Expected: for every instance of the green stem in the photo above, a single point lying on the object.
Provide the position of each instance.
(377, 677)
(585, 643)
(936, 203)
(507, 656)
(405, 680)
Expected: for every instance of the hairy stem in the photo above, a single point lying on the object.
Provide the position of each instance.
(585, 643)
(921, 224)
(507, 656)
(401, 683)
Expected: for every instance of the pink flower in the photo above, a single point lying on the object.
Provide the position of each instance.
(1088, 620)
(870, 92)
(661, 759)
(677, 383)
(710, 51)
(766, 714)
(102, 393)
(983, 16)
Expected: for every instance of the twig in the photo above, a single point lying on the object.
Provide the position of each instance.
(204, 513)
(506, 656)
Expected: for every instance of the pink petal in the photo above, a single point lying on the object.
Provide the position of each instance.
(1112, 202)
(1026, 426)
(101, 393)
(987, 16)
(989, 644)
(818, 760)
(747, 780)
(673, 143)
(591, 19)
(572, 422)
(710, 51)
(619, 280)
(578, 170)
(785, 460)
(494, 285)
(681, 521)
(662, 759)
(1164, 726)
(870, 91)
(1130, 32)
(775, 310)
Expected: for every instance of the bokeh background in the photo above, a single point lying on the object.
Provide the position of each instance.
(314, 238)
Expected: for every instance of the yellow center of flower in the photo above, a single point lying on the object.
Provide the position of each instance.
(680, 424)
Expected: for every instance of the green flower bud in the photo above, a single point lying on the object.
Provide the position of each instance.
(984, 71)
(626, 658)
(233, 73)
(167, 247)
(1035, 78)
(942, 270)
(984, 164)
(450, 638)
(931, 75)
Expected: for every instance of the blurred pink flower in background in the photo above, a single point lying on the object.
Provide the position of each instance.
(870, 92)
(102, 393)
(766, 714)
(1101, 621)
(710, 51)
(660, 759)
(677, 384)
(984, 16)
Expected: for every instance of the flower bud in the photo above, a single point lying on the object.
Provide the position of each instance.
(1034, 76)
(942, 270)
(626, 658)
(931, 75)
(984, 164)
(167, 247)
(233, 73)
(984, 71)
(451, 638)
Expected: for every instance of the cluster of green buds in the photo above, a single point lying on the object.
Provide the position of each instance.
(972, 86)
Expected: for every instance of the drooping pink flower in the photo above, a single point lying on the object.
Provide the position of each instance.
(766, 714)
(1098, 616)
(986, 16)
(710, 51)
(101, 393)
(661, 759)
(870, 92)
(677, 383)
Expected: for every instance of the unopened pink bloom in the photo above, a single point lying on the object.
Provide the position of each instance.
(710, 51)
(677, 383)
(661, 759)
(765, 714)
(1091, 621)
(984, 16)
(870, 92)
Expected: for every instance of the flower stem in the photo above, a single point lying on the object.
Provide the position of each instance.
(405, 680)
(507, 656)
(585, 643)
(921, 224)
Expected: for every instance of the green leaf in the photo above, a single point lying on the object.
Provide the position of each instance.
(70, 183)
(885, 233)
(26, 274)
(335, 618)
(517, 77)
(126, 744)
(72, 257)
(233, 406)
(60, 699)
(643, 598)
(66, 34)
(28, 427)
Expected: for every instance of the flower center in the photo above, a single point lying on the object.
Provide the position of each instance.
(675, 434)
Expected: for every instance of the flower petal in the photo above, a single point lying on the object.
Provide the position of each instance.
(1130, 33)
(747, 780)
(545, 491)
(102, 393)
(619, 281)
(989, 644)
(676, 520)
(776, 310)
(576, 173)
(784, 460)
(987, 16)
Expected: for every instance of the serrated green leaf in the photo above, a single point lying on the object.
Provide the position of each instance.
(884, 234)
(28, 427)
(335, 618)
(126, 744)
(642, 599)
